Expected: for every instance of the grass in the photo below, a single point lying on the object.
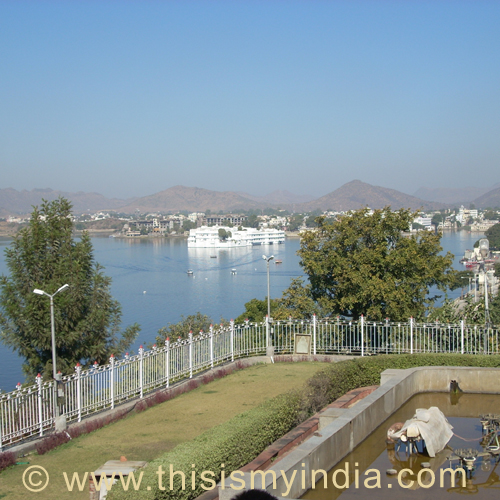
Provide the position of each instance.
(146, 435)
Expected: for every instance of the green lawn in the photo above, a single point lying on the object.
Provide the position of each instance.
(146, 435)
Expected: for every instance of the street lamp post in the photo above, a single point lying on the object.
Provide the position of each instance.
(52, 326)
(484, 249)
(268, 259)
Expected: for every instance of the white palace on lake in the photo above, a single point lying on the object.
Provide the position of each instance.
(208, 237)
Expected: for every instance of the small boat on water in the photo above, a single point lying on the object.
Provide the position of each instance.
(278, 261)
(213, 256)
(190, 272)
(233, 271)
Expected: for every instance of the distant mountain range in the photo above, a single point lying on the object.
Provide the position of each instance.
(180, 198)
(278, 197)
(489, 199)
(456, 196)
(356, 194)
(350, 196)
(21, 202)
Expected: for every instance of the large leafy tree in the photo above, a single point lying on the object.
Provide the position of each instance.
(362, 263)
(44, 255)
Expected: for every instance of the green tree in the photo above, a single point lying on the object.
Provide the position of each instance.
(295, 222)
(493, 235)
(460, 279)
(437, 218)
(193, 322)
(256, 310)
(224, 235)
(297, 302)
(490, 215)
(468, 310)
(362, 264)
(252, 221)
(188, 225)
(87, 318)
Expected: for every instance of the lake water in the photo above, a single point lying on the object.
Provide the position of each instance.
(150, 282)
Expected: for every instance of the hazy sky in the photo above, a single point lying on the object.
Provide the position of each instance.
(128, 98)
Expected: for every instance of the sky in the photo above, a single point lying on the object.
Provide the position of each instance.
(128, 98)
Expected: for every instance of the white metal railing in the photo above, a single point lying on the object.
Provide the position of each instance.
(31, 411)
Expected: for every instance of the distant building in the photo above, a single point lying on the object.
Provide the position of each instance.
(465, 214)
(221, 220)
(156, 225)
(424, 221)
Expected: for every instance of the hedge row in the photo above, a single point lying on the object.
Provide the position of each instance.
(233, 443)
(240, 440)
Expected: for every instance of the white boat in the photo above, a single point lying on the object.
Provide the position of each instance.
(190, 272)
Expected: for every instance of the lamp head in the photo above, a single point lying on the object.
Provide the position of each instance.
(64, 287)
(484, 247)
(38, 291)
(264, 257)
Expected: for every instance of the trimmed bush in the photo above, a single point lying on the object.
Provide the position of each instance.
(7, 458)
(240, 440)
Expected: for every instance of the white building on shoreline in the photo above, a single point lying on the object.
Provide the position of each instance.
(208, 237)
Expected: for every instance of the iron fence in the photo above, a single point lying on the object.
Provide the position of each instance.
(31, 411)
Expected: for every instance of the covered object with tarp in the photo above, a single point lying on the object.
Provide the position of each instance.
(431, 426)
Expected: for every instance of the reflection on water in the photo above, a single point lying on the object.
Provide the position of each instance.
(462, 413)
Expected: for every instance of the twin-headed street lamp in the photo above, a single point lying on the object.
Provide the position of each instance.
(53, 330)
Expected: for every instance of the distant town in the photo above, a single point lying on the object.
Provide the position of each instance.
(179, 224)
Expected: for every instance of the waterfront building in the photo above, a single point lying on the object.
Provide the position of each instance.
(208, 237)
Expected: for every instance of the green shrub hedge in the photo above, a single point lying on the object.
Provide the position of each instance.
(233, 443)
(240, 440)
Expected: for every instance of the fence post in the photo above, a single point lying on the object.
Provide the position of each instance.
(112, 380)
(232, 340)
(314, 334)
(190, 340)
(78, 370)
(362, 336)
(462, 336)
(411, 334)
(1, 425)
(40, 399)
(141, 364)
(211, 346)
(167, 360)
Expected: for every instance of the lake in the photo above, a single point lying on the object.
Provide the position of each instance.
(151, 283)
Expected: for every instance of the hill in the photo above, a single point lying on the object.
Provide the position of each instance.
(457, 196)
(278, 198)
(191, 199)
(21, 202)
(357, 194)
(489, 199)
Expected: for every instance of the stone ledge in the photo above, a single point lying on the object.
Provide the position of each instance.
(277, 450)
